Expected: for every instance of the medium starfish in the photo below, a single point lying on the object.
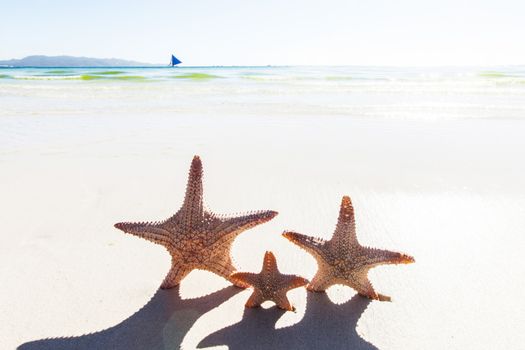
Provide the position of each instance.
(342, 260)
(269, 284)
(195, 237)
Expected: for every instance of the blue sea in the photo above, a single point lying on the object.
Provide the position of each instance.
(367, 92)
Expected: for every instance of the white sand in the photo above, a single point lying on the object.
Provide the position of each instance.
(452, 194)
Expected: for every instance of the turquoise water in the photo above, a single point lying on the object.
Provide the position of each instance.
(511, 74)
(379, 92)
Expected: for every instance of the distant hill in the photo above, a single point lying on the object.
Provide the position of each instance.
(69, 61)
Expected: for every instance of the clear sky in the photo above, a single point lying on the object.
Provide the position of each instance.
(260, 32)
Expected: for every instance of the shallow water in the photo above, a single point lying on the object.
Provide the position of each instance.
(369, 92)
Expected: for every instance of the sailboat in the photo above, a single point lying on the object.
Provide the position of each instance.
(174, 61)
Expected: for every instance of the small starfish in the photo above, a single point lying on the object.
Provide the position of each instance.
(195, 237)
(342, 260)
(269, 284)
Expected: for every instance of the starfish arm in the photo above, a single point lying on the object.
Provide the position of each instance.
(322, 280)
(375, 257)
(312, 245)
(269, 264)
(231, 227)
(177, 272)
(193, 207)
(282, 301)
(147, 230)
(228, 229)
(245, 278)
(292, 281)
(223, 267)
(256, 299)
(361, 284)
(345, 233)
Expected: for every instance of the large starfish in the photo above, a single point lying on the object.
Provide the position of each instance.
(342, 260)
(195, 237)
(269, 284)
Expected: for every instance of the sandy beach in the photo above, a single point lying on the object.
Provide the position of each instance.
(450, 192)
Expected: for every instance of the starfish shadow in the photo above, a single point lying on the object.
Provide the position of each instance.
(325, 326)
(161, 324)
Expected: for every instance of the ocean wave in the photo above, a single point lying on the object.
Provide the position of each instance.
(113, 77)
(109, 72)
(495, 74)
(59, 71)
(304, 78)
(79, 77)
(278, 78)
(195, 76)
(46, 77)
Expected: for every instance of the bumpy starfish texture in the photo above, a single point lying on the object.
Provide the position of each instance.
(342, 260)
(195, 237)
(269, 284)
